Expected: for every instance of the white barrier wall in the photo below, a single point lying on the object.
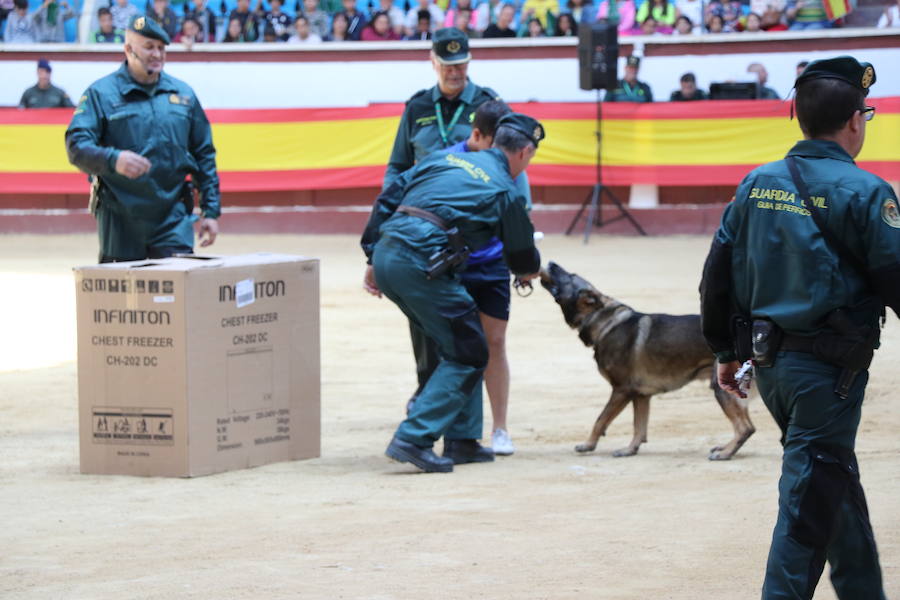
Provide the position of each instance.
(334, 84)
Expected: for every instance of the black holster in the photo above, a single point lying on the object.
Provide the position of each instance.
(846, 345)
(187, 196)
(766, 339)
(454, 255)
(741, 333)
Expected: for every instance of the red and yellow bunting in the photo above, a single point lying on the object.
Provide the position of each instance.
(698, 143)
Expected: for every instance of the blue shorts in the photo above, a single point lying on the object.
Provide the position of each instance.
(491, 296)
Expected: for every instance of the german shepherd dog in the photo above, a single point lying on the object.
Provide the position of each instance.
(640, 355)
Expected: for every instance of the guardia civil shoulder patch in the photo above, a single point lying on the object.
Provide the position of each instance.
(890, 213)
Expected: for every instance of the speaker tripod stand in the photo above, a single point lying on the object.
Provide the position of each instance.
(593, 202)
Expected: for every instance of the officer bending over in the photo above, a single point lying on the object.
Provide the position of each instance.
(418, 236)
(138, 133)
(805, 259)
(434, 119)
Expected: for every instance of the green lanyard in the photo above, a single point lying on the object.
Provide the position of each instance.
(445, 133)
(630, 92)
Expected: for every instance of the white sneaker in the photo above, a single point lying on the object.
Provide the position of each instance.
(501, 444)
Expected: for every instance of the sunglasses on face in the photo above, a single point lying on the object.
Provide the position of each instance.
(868, 113)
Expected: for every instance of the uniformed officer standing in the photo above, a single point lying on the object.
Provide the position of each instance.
(139, 132)
(417, 238)
(805, 259)
(434, 119)
(629, 89)
(44, 94)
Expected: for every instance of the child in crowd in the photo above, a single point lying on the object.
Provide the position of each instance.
(277, 21)
(189, 34)
(716, 24)
(249, 25)
(683, 26)
(318, 18)
(235, 31)
(339, 26)
(107, 34)
(303, 32)
(566, 26)
(20, 25)
(662, 11)
(379, 29)
(534, 28)
(51, 18)
(753, 23)
(206, 20)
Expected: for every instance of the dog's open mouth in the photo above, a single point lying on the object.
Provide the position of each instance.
(550, 280)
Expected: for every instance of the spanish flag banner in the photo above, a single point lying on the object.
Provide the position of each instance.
(665, 143)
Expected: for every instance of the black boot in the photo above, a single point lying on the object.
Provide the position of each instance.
(422, 457)
(467, 451)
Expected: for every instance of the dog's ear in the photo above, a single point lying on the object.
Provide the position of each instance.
(589, 300)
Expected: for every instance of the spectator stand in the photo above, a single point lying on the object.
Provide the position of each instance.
(362, 87)
(864, 13)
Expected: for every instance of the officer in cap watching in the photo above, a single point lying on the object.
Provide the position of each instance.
(630, 89)
(434, 119)
(44, 94)
(805, 259)
(139, 133)
(418, 236)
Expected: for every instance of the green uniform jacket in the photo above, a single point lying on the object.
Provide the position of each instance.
(769, 258)
(419, 135)
(472, 191)
(52, 97)
(166, 125)
(625, 92)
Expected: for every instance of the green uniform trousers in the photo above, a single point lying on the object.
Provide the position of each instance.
(822, 513)
(427, 356)
(132, 238)
(450, 404)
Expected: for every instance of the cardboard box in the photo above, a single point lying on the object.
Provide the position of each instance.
(191, 366)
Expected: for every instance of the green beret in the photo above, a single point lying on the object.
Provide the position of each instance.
(147, 27)
(524, 124)
(450, 46)
(633, 61)
(846, 68)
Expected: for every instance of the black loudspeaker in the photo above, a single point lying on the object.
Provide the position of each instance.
(743, 90)
(598, 56)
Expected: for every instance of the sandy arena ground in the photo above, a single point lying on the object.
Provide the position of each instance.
(545, 523)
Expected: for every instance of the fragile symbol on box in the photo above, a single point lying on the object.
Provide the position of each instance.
(152, 426)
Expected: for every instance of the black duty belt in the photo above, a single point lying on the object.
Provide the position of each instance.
(797, 343)
(453, 256)
(424, 214)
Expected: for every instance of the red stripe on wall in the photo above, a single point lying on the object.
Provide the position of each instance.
(371, 176)
(722, 109)
(43, 183)
(301, 179)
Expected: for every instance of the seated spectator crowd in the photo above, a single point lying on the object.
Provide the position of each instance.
(752, 87)
(315, 21)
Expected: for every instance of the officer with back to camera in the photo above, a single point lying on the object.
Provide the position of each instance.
(417, 239)
(800, 269)
(435, 119)
(139, 132)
